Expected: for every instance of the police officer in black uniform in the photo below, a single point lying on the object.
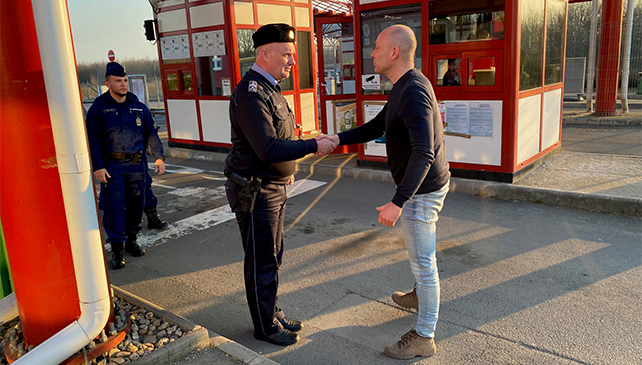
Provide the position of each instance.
(119, 129)
(258, 168)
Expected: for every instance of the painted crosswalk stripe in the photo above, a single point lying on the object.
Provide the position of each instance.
(211, 218)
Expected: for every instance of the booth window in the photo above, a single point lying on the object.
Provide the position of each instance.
(171, 79)
(481, 71)
(210, 71)
(187, 81)
(453, 21)
(448, 72)
(372, 23)
(338, 58)
(304, 54)
(532, 43)
(555, 30)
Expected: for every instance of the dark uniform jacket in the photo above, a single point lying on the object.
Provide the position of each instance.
(263, 132)
(414, 137)
(120, 128)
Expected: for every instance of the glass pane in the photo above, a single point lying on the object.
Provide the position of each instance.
(532, 40)
(338, 58)
(555, 24)
(172, 82)
(448, 72)
(458, 21)
(373, 22)
(246, 49)
(304, 54)
(210, 70)
(481, 71)
(187, 81)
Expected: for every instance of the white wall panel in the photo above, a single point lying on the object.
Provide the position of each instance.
(169, 21)
(477, 149)
(182, 119)
(552, 118)
(274, 14)
(207, 15)
(302, 17)
(307, 112)
(528, 127)
(243, 13)
(215, 120)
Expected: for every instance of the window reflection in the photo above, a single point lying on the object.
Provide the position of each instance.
(171, 79)
(246, 49)
(338, 58)
(373, 22)
(532, 43)
(481, 71)
(187, 81)
(210, 70)
(454, 21)
(555, 29)
(304, 54)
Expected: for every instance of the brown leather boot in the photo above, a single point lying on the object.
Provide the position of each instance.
(406, 300)
(410, 346)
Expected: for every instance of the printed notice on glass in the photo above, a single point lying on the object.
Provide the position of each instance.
(481, 119)
(226, 85)
(376, 147)
(457, 118)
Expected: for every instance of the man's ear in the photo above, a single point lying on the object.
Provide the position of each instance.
(395, 53)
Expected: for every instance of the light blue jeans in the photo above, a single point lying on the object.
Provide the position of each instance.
(418, 219)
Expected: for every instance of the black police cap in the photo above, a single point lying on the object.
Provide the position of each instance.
(115, 69)
(274, 33)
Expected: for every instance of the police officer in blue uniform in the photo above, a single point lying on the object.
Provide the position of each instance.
(258, 168)
(119, 129)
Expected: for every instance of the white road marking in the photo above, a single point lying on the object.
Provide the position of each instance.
(189, 191)
(211, 218)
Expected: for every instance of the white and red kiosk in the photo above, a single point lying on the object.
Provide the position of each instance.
(205, 47)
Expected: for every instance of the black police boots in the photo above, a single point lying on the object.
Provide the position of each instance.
(117, 255)
(153, 220)
(132, 247)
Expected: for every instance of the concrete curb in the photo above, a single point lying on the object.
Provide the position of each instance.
(602, 121)
(486, 189)
(195, 338)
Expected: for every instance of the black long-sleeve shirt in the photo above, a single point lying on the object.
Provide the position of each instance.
(414, 137)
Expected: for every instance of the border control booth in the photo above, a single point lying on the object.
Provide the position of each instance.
(205, 47)
(497, 67)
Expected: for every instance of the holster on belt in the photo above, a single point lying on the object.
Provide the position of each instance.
(249, 189)
(134, 157)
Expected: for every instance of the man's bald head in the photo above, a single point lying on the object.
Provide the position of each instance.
(402, 37)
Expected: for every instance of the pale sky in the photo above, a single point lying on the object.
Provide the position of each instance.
(100, 25)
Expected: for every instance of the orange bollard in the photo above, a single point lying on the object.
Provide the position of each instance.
(31, 203)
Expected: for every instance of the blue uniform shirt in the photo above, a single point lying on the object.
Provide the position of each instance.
(125, 127)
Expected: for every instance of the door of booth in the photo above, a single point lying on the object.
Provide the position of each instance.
(337, 85)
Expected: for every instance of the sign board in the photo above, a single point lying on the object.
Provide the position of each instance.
(138, 86)
(111, 55)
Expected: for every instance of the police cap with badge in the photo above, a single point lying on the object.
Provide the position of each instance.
(274, 33)
(115, 69)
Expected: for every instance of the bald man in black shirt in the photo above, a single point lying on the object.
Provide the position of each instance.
(417, 159)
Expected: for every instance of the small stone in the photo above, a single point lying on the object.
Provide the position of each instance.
(113, 351)
(135, 336)
(172, 340)
(142, 329)
(179, 333)
(163, 326)
(149, 315)
(161, 334)
(141, 352)
(133, 357)
(162, 342)
(131, 348)
(122, 354)
(134, 327)
(151, 328)
(157, 322)
(150, 339)
(118, 361)
(172, 329)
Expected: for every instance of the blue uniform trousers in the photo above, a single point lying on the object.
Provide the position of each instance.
(262, 236)
(122, 199)
(150, 199)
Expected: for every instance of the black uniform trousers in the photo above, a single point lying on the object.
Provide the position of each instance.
(262, 236)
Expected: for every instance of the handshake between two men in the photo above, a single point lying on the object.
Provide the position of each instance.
(326, 143)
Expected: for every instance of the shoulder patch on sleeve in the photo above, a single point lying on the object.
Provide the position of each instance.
(252, 87)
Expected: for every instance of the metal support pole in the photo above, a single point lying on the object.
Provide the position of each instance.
(591, 58)
(609, 57)
(626, 59)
